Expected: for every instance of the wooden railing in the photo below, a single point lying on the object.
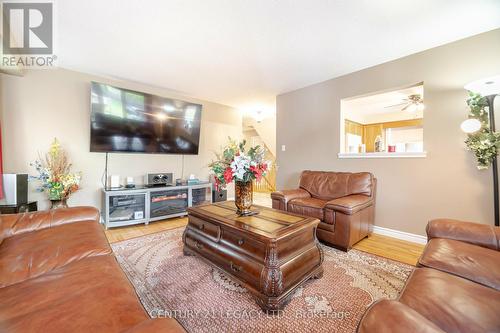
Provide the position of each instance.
(267, 183)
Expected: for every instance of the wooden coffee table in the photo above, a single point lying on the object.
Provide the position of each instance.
(271, 254)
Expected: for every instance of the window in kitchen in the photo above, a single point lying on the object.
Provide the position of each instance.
(386, 124)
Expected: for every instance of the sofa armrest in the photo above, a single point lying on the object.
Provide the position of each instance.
(287, 195)
(15, 224)
(395, 317)
(157, 325)
(350, 204)
(469, 232)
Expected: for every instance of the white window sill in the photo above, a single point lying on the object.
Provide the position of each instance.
(383, 155)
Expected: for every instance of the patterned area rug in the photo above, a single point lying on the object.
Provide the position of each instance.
(203, 299)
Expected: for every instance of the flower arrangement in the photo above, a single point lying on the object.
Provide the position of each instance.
(239, 165)
(484, 143)
(54, 173)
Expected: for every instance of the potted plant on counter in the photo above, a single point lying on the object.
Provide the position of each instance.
(55, 177)
(241, 166)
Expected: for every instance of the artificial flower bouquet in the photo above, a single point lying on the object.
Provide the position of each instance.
(54, 174)
(235, 163)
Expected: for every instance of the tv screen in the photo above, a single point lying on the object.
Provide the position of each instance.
(129, 121)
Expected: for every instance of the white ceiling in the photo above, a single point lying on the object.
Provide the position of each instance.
(245, 52)
(382, 106)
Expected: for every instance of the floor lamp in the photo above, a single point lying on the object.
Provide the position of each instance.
(488, 88)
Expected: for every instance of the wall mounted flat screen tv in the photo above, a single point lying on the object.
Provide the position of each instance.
(123, 120)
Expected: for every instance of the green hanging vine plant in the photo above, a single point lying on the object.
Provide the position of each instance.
(484, 143)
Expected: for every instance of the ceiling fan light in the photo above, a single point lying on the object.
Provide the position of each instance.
(258, 116)
(420, 107)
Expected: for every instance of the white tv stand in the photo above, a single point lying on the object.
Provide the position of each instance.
(141, 205)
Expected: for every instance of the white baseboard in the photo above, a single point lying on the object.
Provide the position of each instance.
(400, 235)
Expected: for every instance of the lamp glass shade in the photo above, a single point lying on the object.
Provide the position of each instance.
(470, 125)
(485, 87)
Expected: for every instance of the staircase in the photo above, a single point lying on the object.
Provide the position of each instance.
(267, 183)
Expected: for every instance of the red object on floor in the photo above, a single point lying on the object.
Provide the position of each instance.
(1, 168)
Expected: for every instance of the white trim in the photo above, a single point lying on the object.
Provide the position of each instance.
(400, 235)
(382, 155)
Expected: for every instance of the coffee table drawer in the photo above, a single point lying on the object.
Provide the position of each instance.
(206, 228)
(244, 244)
(244, 269)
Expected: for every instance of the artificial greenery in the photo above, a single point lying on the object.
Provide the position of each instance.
(484, 143)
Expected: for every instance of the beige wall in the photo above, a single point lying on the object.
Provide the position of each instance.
(410, 191)
(266, 129)
(56, 103)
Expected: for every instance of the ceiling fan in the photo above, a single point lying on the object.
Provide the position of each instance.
(411, 104)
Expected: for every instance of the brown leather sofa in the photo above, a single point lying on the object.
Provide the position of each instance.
(456, 287)
(58, 274)
(344, 202)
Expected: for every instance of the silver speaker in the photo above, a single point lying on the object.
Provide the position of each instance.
(159, 179)
(15, 189)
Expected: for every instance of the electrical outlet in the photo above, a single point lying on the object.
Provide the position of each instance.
(283, 148)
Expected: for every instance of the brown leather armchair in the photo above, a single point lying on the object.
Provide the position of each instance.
(456, 287)
(344, 202)
(58, 274)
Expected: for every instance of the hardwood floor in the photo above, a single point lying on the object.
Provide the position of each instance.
(383, 246)
(392, 248)
(119, 234)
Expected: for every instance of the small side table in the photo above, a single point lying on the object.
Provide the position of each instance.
(19, 208)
